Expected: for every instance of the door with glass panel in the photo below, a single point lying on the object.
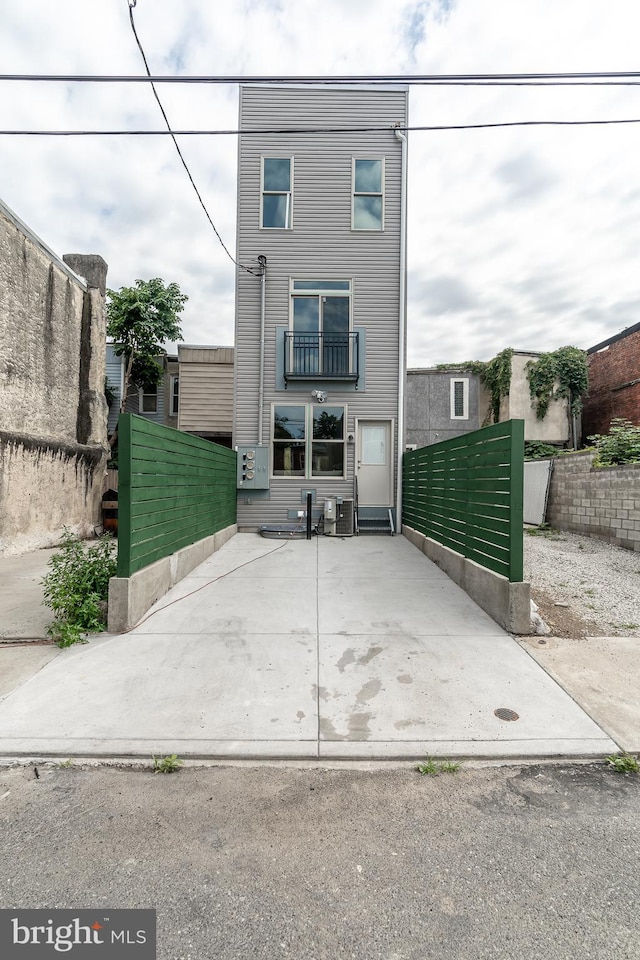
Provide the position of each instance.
(321, 324)
(374, 464)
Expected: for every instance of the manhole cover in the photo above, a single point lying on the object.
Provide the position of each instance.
(503, 713)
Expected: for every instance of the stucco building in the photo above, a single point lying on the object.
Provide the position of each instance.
(53, 414)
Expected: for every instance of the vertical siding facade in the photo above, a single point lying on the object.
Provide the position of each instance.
(321, 245)
(206, 391)
(114, 379)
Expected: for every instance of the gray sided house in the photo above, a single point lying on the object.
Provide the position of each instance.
(195, 393)
(442, 404)
(159, 404)
(320, 307)
(206, 392)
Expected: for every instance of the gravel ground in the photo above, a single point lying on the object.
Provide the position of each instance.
(583, 586)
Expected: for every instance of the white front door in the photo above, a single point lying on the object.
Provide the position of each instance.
(374, 463)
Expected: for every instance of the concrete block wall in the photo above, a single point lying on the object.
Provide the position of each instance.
(602, 502)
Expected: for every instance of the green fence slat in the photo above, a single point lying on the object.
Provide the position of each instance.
(467, 494)
(124, 495)
(174, 489)
(516, 559)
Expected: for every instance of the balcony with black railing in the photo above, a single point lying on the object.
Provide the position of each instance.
(327, 356)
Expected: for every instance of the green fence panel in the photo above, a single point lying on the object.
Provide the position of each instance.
(173, 489)
(467, 493)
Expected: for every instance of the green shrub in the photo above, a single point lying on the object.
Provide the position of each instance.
(620, 445)
(77, 588)
(538, 450)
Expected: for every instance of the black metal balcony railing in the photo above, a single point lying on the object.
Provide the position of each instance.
(331, 356)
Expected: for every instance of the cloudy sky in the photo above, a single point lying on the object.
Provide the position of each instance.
(525, 237)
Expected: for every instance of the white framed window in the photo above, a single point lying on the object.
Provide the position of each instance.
(148, 399)
(276, 185)
(308, 440)
(367, 210)
(459, 398)
(174, 388)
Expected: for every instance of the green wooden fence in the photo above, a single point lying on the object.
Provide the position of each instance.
(173, 489)
(466, 493)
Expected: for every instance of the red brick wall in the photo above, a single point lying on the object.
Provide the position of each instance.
(609, 370)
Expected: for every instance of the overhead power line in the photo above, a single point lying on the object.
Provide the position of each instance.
(288, 131)
(171, 133)
(565, 79)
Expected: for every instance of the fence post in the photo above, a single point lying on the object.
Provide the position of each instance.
(516, 499)
(124, 494)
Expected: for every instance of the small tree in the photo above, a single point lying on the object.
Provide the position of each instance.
(140, 320)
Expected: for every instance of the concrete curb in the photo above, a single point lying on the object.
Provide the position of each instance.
(508, 603)
(131, 597)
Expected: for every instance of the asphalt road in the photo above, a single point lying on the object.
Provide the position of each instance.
(300, 862)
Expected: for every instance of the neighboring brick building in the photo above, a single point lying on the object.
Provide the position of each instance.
(614, 382)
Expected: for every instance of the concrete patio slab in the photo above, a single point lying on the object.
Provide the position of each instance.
(415, 606)
(601, 673)
(264, 652)
(438, 689)
(262, 605)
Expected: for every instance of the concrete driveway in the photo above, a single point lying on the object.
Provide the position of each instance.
(329, 648)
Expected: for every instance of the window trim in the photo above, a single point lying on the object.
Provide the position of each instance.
(361, 193)
(147, 393)
(288, 194)
(321, 291)
(308, 443)
(465, 398)
(174, 395)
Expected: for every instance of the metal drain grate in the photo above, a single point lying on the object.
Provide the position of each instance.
(503, 713)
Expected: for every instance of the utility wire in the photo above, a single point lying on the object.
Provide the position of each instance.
(613, 78)
(287, 131)
(171, 133)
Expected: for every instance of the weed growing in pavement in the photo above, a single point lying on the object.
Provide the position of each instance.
(77, 588)
(544, 530)
(167, 764)
(431, 767)
(624, 763)
(64, 763)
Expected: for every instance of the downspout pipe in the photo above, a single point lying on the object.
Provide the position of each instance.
(402, 325)
(262, 260)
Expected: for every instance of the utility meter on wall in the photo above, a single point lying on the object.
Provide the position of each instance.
(253, 468)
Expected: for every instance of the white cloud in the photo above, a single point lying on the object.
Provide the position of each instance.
(519, 236)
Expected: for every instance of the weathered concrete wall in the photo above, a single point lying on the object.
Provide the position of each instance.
(517, 406)
(602, 503)
(53, 439)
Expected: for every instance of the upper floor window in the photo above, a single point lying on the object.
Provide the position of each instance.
(173, 405)
(368, 195)
(277, 176)
(148, 399)
(460, 398)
